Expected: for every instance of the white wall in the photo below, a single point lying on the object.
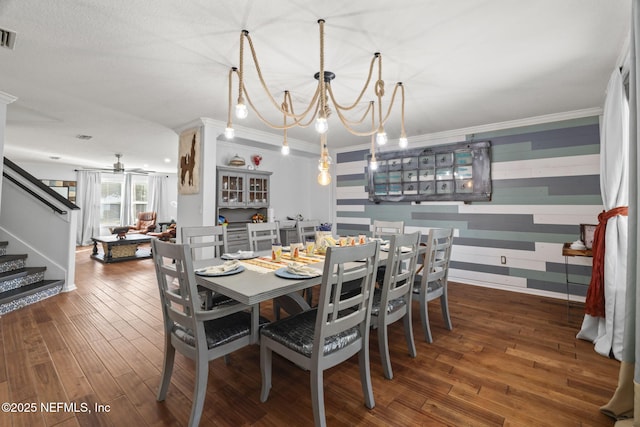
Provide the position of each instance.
(294, 188)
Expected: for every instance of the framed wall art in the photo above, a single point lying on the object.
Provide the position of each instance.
(460, 171)
(189, 156)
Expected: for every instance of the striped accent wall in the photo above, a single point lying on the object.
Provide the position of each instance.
(545, 182)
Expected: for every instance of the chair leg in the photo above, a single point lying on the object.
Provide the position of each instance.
(167, 369)
(383, 346)
(276, 309)
(365, 375)
(200, 389)
(424, 315)
(444, 303)
(317, 396)
(408, 332)
(265, 369)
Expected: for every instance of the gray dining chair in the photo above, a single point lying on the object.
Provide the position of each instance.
(269, 232)
(383, 229)
(201, 335)
(207, 243)
(307, 229)
(392, 301)
(431, 282)
(330, 334)
(262, 235)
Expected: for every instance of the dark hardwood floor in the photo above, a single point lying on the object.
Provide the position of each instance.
(511, 360)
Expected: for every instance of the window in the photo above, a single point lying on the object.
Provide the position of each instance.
(139, 195)
(112, 187)
(113, 199)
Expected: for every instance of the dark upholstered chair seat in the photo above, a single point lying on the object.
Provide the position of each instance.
(220, 331)
(392, 306)
(431, 286)
(296, 332)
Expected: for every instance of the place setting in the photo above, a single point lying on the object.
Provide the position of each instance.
(240, 255)
(227, 269)
(296, 270)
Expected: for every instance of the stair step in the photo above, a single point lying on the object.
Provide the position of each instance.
(29, 294)
(13, 279)
(12, 262)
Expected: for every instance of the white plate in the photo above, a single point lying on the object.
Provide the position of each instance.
(231, 256)
(203, 272)
(282, 272)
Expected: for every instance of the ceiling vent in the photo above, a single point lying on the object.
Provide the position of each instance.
(7, 39)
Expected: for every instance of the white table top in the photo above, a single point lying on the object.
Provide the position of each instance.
(251, 287)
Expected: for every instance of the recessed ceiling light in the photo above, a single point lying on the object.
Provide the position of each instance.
(167, 160)
(84, 137)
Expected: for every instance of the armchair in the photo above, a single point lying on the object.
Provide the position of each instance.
(146, 223)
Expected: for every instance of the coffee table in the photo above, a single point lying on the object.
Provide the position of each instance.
(115, 249)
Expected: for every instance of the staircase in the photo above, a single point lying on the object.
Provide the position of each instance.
(21, 285)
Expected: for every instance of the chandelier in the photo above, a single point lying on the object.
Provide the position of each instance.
(318, 110)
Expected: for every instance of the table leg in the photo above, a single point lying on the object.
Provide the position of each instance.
(95, 247)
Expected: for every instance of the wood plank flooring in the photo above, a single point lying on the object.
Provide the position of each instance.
(511, 360)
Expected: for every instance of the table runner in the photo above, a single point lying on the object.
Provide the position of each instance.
(266, 265)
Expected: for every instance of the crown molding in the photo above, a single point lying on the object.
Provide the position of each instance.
(5, 98)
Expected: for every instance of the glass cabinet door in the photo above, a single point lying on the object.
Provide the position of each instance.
(232, 190)
(258, 191)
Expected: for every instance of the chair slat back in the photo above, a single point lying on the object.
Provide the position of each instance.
(177, 285)
(400, 267)
(306, 229)
(344, 264)
(438, 254)
(384, 229)
(206, 243)
(262, 235)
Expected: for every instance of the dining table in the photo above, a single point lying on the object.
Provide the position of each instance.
(257, 281)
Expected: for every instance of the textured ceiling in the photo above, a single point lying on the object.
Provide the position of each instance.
(129, 73)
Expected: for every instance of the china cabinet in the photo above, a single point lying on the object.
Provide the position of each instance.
(243, 197)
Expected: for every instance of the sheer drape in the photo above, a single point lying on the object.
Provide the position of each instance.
(158, 196)
(127, 217)
(88, 199)
(626, 400)
(606, 332)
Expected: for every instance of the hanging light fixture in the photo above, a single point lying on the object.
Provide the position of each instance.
(318, 109)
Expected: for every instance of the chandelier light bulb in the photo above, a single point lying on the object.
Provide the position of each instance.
(285, 149)
(324, 178)
(322, 126)
(241, 111)
(229, 133)
(403, 142)
(373, 165)
(381, 138)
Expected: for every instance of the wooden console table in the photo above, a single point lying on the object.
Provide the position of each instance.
(567, 252)
(116, 250)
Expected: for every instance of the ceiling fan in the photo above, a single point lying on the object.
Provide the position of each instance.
(118, 168)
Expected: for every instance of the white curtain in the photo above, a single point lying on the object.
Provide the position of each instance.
(126, 215)
(159, 197)
(626, 399)
(88, 199)
(607, 333)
